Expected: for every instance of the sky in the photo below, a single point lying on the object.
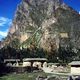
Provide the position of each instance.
(8, 8)
(7, 12)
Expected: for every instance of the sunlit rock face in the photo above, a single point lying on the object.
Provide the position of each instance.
(44, 22)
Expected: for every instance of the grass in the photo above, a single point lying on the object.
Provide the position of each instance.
(22, 76)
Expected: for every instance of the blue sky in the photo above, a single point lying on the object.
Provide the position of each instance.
(75, 4)
(7, 11)
(8, 8)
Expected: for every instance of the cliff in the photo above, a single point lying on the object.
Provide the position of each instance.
(44, 23)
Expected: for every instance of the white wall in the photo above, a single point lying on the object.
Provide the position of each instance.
(25, 64)
(75, 70)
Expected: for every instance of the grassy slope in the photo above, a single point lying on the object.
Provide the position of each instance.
(24, 76)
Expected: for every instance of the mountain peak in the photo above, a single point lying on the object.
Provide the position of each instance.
(41, 22)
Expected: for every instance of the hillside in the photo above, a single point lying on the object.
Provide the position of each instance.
(47, 24)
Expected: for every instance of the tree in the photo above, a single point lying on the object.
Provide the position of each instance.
(15, 43)
(66, 54)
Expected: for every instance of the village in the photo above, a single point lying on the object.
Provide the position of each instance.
(36, 65)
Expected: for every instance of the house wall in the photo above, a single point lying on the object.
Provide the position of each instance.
(25, 64)
(75, 70)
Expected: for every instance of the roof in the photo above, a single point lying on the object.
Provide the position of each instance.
(75, 63)
(34, 59)
(26, 59)
(11, 60)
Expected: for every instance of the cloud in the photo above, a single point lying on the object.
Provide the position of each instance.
(3, 33)
(5, 21)
(79, 12)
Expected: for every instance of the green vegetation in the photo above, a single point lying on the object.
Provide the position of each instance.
(63, 55)
(23, 76)
(15, 43)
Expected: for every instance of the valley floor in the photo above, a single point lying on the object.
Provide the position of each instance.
(31, 76)
(23, 76)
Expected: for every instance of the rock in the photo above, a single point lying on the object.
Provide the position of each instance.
(42, 22)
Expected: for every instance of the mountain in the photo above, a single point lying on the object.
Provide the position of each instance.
(44, 23)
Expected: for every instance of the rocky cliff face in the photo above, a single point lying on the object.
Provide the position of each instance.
(46, 23)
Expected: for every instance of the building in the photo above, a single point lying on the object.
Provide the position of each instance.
(34, 62)
(64, 39)
(27, 64)
(64, 35)
(75, 67)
